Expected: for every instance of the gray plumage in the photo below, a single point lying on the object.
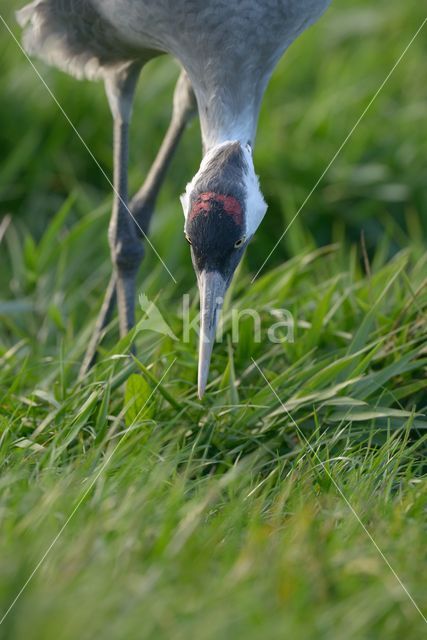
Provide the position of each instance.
(228, 50)
(228, 47)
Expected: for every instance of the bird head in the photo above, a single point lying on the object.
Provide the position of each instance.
(223, 207)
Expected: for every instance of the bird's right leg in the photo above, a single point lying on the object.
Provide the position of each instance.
(126, 250)
(143, 203)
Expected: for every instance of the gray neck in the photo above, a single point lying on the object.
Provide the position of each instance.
(228, 114)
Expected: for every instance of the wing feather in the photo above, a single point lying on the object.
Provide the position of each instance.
(73, 36)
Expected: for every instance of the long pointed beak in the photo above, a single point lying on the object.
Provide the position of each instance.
(212, 288)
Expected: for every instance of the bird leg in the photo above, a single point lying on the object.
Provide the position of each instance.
(184, 109)
(102, 321)
(125, 248)
(143, 203)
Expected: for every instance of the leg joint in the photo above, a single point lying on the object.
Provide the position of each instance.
(127, 255)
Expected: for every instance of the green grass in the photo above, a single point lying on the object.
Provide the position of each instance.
(242, 516)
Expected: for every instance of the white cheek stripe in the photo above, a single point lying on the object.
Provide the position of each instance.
(255, 206)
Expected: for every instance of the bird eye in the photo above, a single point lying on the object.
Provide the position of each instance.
(187, 238)
(239, 242)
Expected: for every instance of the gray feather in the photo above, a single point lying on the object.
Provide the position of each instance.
(229, 48)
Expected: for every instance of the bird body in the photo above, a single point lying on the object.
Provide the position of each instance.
(228, 49)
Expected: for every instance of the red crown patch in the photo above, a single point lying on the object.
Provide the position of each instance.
(207, 201)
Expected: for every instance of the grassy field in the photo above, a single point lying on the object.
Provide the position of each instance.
(291, 502)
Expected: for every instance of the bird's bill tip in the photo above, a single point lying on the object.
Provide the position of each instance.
(212, 287)
(201, 390)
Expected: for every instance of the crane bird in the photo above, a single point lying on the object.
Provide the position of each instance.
(227, 50)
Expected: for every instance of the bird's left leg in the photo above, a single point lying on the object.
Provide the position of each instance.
(125, 247)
